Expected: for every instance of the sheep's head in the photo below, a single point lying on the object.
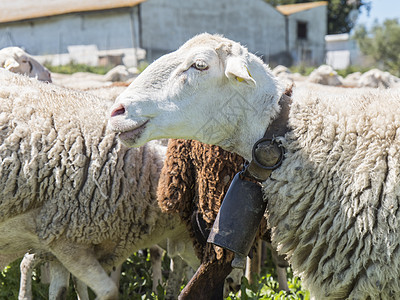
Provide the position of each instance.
(17, 60)
(202, 91)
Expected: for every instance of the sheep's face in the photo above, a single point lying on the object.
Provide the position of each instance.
(20, 62)
(190, 93)
(29, 66)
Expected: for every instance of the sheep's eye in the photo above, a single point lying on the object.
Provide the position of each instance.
(200, 65)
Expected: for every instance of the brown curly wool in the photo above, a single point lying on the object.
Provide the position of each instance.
(195, 177)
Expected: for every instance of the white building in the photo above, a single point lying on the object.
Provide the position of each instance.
(342, 51)
(286, 35)
(306, 22)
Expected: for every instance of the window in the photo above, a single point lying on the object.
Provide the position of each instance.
(301, 30)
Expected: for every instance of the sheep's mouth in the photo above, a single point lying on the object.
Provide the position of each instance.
(130, 136)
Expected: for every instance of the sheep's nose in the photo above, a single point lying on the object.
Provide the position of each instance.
(119, 110)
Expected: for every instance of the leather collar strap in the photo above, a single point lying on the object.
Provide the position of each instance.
(268, 152)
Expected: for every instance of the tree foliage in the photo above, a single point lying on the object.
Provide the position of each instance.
(339, 20)
(382, 43)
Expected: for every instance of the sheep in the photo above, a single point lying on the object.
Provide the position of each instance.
(85, 81)
(280, 70)
(18, 61)
(333, 204)
(286, 76)
(120, 73)
(376, 78)
(352, 80)
(58, 276)
(326, 75)
(81, 80)
(70, 188)
(60, 281)
(193, 183)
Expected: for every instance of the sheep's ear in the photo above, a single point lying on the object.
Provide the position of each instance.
(10, 63)
(237, 70)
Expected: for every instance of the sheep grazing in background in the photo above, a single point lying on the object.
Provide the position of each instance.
(117, 77)
(376, 78)
(280, 70)
(333, 204)
(284, 74)
(352, 80)
(70, 188)
(326, 75)
(193, 183)
(121, 73)
(18, 61)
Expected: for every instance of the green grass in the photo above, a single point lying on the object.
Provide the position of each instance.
(75, 67)
(302, 69)
(266, 288)
(352, 69)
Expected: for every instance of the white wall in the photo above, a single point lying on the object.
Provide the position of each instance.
(168, 24)
(317, 20)
(111, 29)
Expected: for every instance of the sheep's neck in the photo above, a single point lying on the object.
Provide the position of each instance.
(254, 127)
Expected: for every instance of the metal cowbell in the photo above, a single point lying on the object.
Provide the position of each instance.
(238, 219)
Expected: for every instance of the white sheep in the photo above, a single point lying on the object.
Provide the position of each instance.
(326, 75)
(281, 70)
(120, 73)
(60, 276)
(68, 186)
(333, 204)
(376, 78)
(18, 61)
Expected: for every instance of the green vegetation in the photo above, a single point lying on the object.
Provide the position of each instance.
(352, 69)
(382, 43)
(142, 66)
(303, 69)
(136, 283)
(266, 288)
(9, 281)
(75, 67)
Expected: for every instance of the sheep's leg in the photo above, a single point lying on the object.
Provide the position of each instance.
(281, 265)
(83, 265)
(156, 260)
(233, 282)
(175, 278)
(59, 281)
(27, 265)
(116, 275)
(253, 265)
(208, 282)
(282, 278)
(81, 289)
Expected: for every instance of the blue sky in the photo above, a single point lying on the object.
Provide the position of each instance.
(380, 10)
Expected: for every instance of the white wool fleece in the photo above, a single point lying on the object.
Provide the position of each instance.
(57, 155)
(333, 205)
